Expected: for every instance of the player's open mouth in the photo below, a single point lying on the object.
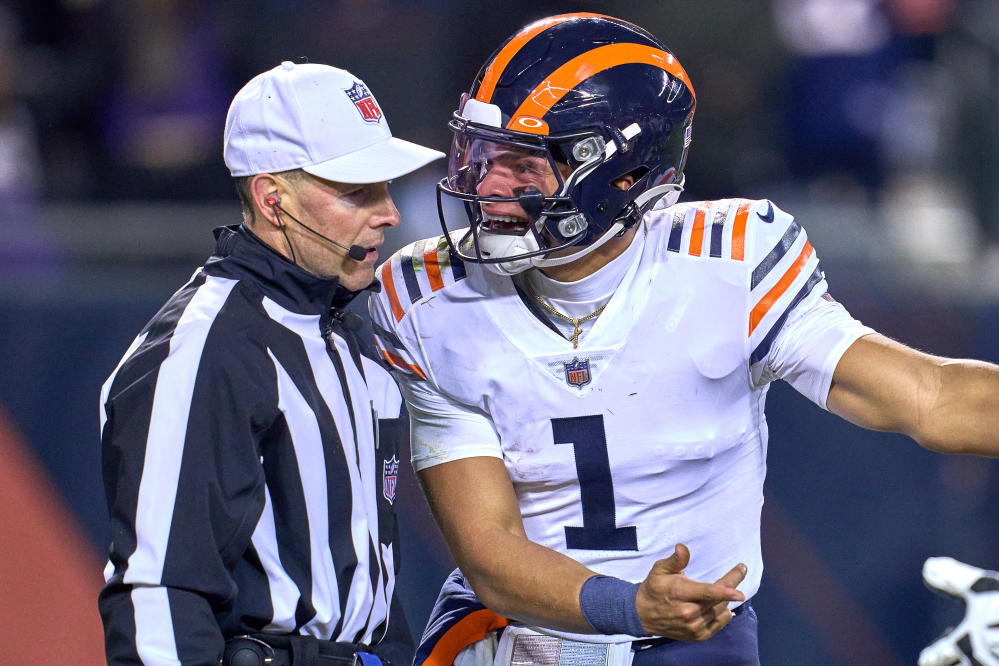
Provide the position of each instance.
(504, 224)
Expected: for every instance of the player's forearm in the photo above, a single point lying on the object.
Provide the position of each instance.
(520, 579)
(947, 405)
(964, 416)
(474, 504)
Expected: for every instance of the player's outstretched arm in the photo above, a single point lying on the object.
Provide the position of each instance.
(474, 504)
(947, 405)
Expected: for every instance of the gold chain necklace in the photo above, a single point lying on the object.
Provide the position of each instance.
(575, 321)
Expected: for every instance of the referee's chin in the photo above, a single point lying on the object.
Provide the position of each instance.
(356, 275)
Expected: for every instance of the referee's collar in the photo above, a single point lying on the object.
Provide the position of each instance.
(238, 250)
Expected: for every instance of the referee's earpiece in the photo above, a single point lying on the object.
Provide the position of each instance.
(273, 200)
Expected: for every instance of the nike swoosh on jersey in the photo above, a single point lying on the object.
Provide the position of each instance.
(768, 217)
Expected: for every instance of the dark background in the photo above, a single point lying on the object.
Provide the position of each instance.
(872, 122)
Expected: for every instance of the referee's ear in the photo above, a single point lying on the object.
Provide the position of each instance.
(265, 193)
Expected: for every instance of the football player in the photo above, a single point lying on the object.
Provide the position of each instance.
(586, 362)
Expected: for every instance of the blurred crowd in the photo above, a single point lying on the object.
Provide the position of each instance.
(889, 102)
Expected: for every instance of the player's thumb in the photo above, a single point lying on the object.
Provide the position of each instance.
(675, 563)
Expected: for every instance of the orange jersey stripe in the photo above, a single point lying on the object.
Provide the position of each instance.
(399, 363)
(471, 628)
(580, 68)
(739, 232)
(506, 54)
(433, 268)
(768, 301)
(697, 230)
(388, 283)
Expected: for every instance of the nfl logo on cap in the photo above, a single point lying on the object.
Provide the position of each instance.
(365, 103)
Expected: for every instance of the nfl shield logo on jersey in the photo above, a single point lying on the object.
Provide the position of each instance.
(390, 477)
(577, 373)
(365, 103)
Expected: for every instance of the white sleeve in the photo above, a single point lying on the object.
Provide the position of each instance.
(442, 430)
(809, 346)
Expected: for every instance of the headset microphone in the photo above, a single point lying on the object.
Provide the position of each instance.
(355, 252)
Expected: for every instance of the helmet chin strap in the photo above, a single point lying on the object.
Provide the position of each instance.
(667, 194)
(660, 196)
(545, 262)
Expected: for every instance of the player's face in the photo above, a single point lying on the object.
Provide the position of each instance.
(349, 214)
(509, 171)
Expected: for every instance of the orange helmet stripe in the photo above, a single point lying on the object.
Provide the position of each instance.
(582, 67)
(506, 54)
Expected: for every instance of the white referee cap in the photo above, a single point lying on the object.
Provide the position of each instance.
(317, 118)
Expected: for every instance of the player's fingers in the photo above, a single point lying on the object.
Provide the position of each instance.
(709, 622)
(721, 608)
(719, 617)
(704, 594)
(675, 563)
(734, 576)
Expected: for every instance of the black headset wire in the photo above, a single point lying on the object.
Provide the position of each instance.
(281, 225)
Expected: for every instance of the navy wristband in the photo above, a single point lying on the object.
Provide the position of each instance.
(608, 605)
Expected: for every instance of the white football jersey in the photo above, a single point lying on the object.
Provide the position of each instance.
(651, 432)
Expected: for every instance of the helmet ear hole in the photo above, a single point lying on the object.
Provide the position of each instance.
(634, 176)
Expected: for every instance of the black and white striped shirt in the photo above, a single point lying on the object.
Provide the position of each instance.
(247, 488)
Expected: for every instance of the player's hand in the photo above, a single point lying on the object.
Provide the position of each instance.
(975, 641)
(672, 605)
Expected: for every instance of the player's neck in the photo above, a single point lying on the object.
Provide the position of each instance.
(590, 263)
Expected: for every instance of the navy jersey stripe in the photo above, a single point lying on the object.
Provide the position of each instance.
(409, 276)
(763, 348)
(776, 254)
(457, 265)
(717, 226)
(676, 232)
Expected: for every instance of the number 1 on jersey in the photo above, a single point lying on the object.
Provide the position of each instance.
(596, 488)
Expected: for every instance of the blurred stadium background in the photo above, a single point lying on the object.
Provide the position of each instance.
(874, 123)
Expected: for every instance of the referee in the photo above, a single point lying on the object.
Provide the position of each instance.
(250, 497)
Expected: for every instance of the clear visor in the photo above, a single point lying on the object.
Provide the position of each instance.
(503, 174)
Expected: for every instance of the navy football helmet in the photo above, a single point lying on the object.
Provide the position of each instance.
(562, 112)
